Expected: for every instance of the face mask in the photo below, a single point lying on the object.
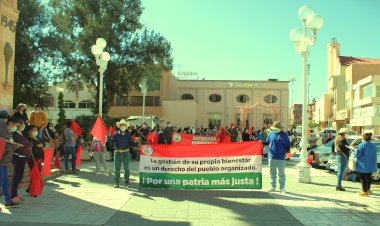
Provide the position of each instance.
(22, 129)
(14, 129)
(37, 111)
(123, 128)
(35, 133)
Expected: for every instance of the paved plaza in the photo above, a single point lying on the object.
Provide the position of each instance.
(89, 199)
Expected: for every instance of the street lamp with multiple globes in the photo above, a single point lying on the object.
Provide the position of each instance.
(144, 90)
(302, 40)
(102, 59)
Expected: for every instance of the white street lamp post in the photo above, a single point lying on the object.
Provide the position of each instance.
(302, 41)
(102, 59)
(144, 90)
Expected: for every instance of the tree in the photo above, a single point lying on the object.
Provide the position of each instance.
(61, 123)
(30, 84)
(76, 24)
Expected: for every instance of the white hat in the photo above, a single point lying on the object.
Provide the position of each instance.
(343, 130)
(122, 123)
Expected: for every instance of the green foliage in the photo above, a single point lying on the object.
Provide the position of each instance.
(313, 125)
(61, 123)
(76, 24)
(30, 82)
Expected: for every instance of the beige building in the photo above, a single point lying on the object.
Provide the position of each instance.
(75, 103)
(366, 105)
(343, 73)
(210, 102)
(8, 19)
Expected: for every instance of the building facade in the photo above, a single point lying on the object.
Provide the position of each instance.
(8, 19)
(210, 102)
(366, 105)
(75, 103)
(346, 76)
(296, 114)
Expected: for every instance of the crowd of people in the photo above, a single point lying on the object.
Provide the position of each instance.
(26, 137)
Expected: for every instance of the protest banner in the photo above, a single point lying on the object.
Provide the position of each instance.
(216, 166)
(189, 139)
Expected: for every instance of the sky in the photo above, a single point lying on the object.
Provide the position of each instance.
(249, 39)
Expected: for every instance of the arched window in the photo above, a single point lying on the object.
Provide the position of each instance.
(242, 98)
(69, 104)
(187, 96)
(270, 99)
(86, 104)
(215, 98)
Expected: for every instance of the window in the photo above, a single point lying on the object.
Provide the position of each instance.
(348, 86)
(215, 98)
(355, 94)
(242, 98)
(348, 104)
(187, 96)
(268, 118)
(270, 99)
(69, 104)
(366, 91)
(377, 91)
(86, 104)
(137, 101)
(50, 101)
(214, 119)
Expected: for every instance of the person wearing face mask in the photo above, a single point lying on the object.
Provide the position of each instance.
(21, 113)
(38, 118)
(37, 150)
(6, 126)
(342, 154)
(48, 135)
(20, 156)
(122, 141)
(167, 134)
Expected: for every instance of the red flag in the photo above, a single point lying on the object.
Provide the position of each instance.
(48, 156)
(223, 134)
(76, 128)
(36, 182)
(99, 130)
(112, 131)
(134, 137)
(2, 147)
(226, 140)
(57, 163)
(250, 132)
(79, 153)
(152, 138)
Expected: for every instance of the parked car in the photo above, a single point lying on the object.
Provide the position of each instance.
(324, 152)
(333, 166)
(327, 135)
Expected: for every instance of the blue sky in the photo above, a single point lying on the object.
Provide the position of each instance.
(249, 39)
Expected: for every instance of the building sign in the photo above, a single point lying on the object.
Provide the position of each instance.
(7, 22)
(366, 112)
(241, 85)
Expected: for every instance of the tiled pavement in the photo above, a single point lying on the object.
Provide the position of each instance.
(87, 199)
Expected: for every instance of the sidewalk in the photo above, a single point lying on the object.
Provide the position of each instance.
(88, 199)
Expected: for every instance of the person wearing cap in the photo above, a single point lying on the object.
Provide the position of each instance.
(7, 126)
(38, 118)
(21, 113)
(342, 154)
(122, 140)
(279, 143)
(233, 132)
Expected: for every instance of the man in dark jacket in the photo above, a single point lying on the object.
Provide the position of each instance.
(122, 141)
